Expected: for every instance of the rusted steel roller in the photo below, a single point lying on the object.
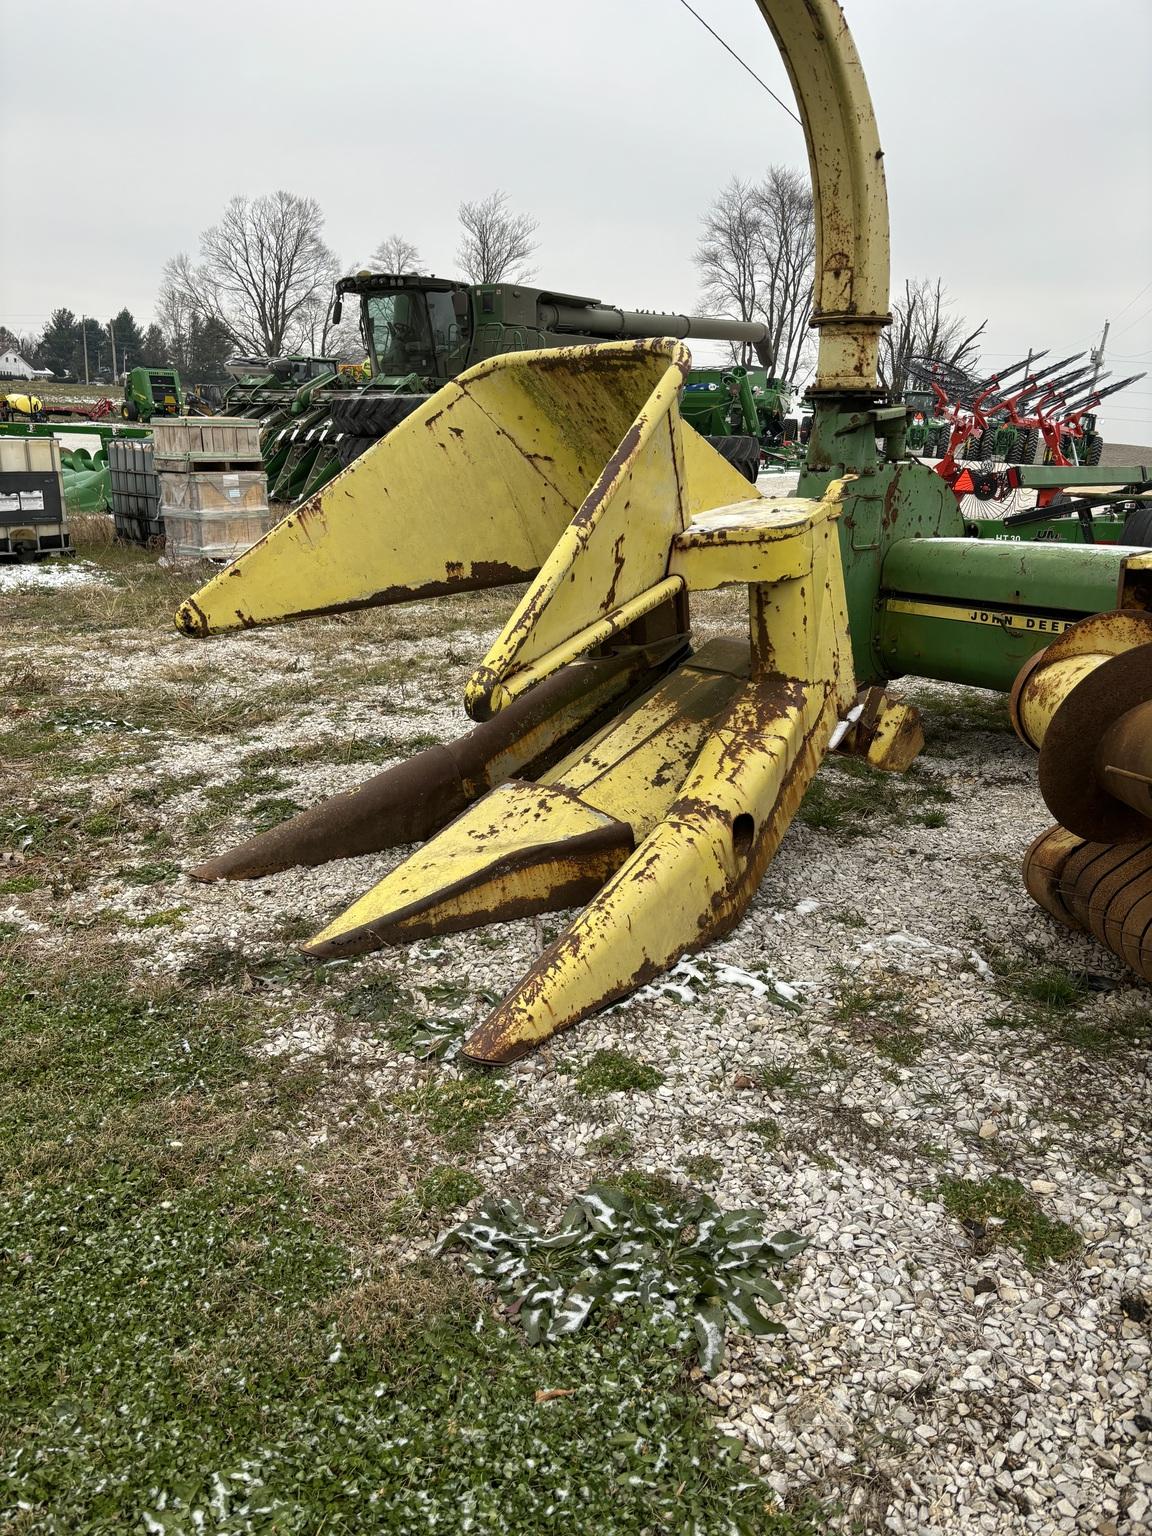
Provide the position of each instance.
(1104, 889)
(1085, 703)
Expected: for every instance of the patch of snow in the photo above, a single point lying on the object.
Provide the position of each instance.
(51, 573)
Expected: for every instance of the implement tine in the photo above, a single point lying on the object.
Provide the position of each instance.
(1006, 373)
(1120, 384)
(1053, 368)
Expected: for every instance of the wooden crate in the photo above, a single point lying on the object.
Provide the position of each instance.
(213, 514)
(192, 439)
(213, 490)
(214, 535)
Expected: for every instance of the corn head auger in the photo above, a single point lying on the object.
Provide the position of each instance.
(614, 764)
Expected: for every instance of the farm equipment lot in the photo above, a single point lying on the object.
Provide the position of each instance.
(227, 1165)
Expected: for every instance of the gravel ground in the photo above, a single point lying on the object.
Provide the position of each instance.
(929, 1381)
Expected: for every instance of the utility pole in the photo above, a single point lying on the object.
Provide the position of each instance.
(112, 338)
(1097, 353)
(84, 335)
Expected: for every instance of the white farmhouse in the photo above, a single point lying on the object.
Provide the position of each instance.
(13, 366)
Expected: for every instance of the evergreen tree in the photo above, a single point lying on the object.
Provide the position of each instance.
(59, 342)
(209, 345)
(129, 341)
(99, 350)
(153, 349)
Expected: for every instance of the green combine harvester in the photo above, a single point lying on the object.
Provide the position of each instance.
(419, 333)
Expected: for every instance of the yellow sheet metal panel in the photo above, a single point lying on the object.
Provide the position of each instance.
(472, 490)
(710, 481)
(849, 194)
(522, 849)
(613, 552)
(897, 739)
(488, 692)
(634, 770)
(751, 541)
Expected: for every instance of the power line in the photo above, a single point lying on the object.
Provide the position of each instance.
(1137, 321)
(1130, 302)
(741, 62)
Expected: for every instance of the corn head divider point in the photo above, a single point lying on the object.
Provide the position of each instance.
(614, 765)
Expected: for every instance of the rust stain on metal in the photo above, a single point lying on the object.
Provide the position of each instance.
(1101, 888)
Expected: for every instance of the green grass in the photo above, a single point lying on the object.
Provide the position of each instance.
(334, 749)
(612, 1071)
(1050, 987)
(446, 1189)
(185, 1348)
(784, 1079)
(704, 1167)
(848, 797)
(656, 1187)
(615, 1143)
(458, 1109)
(20, 885)
(769, 1131)
(1003, 1211)
(881, 1012)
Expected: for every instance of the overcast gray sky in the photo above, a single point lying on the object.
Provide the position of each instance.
(1018, 143)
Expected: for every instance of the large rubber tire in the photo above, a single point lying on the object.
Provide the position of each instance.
(373, 415)
(790, 428)
(1138, 528)
(349, 448)
(743, 453)
(1093, 448)
(1025, 446)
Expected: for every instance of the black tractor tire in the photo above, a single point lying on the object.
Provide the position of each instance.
(743, 453)
(1025, 446)
(1138, 528)
(790, 428)
(130, 411)
(349, 448)
(1093, 447)
(373, 415)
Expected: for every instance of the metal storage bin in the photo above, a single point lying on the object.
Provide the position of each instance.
(135, 490)
(33, 519)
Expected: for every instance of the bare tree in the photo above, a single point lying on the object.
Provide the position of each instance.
(924, 325)
(176, 307)
(264, 273)
(496, 243)
(756, 259)
(786, 254)
(396, 254)
(727, 255)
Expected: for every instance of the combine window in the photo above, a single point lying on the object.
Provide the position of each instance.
(412, 331)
